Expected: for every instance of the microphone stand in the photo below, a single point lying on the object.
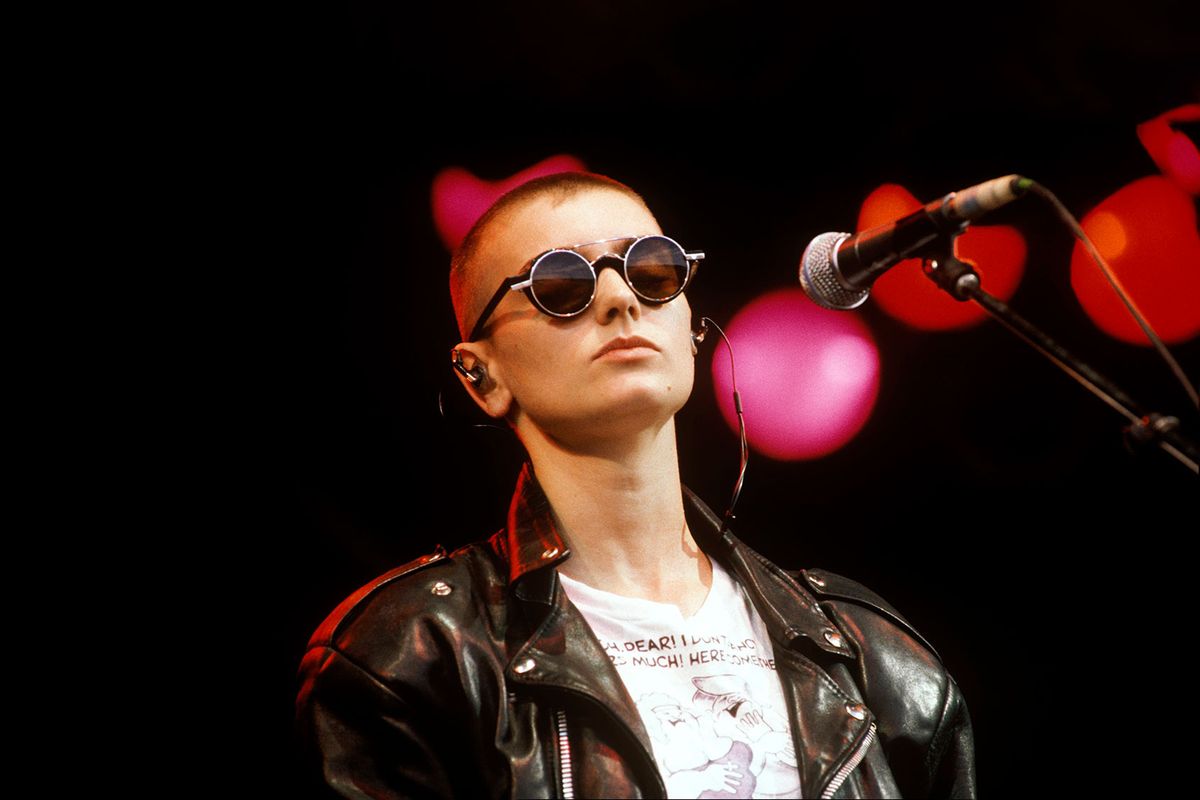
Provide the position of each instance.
(961, 281)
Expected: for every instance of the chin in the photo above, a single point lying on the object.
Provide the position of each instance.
(655, 401)
(616, 407)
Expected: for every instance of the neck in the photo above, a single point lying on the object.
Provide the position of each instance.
(619, 506)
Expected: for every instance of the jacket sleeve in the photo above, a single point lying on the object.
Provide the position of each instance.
(951, 759)
(359, 738)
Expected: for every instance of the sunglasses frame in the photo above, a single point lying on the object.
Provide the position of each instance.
(523, 281)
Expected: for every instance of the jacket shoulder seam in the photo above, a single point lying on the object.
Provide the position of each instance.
(327, 632)
(371, 676)
(832, 585)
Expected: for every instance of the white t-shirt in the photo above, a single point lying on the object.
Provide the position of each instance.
(706, 688)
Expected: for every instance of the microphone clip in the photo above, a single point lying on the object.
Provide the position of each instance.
(956, 277)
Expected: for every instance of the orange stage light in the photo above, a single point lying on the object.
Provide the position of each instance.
(997, 251)
(1147, 233)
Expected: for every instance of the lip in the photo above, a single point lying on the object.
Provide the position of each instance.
(624, 343)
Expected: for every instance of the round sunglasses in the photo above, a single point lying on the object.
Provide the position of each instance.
(562, 283)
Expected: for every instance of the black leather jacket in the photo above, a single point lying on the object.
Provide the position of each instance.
(472, 675)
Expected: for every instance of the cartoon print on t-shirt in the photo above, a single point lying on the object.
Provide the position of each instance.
(723, 744)
(695, 760)
(764, 730)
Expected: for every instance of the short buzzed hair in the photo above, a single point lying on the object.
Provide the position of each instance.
(464, 279)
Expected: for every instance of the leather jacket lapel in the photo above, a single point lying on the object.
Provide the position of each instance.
(826, 728)
(829, 726)
(769, 587)
(562, 653)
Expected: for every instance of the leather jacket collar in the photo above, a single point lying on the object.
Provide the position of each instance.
(531, 541)
(830, 726)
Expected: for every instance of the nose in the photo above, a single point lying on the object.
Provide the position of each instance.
(614, 297)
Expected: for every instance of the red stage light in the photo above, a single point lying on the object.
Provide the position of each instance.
(1147, 233)
(459, 198)
(904, 292)
(808, 376)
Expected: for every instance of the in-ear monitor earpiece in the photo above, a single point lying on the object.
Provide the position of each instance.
(474, 375)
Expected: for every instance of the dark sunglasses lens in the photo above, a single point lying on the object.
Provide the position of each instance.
(563, 282)
(657, 268)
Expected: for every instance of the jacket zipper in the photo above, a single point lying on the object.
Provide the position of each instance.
(564, 754)
(849, 766)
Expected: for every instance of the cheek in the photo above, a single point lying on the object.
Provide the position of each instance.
(536, 369)
(682, 364)
(673, 324)
(683, 337)
(673, 331)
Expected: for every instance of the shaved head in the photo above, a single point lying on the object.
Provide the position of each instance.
(468, 290)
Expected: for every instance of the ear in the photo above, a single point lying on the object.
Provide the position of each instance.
(471, 364)
(699, 334)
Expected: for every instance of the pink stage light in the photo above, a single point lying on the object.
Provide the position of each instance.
(459, 198)
(808, 377)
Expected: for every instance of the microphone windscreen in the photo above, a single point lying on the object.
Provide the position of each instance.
(818, 275)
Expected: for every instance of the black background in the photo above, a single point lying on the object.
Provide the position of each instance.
(989, 497)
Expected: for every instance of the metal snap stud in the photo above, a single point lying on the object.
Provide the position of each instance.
(833, 637)
(551, 553)
(524, 666)
(441, 589)
(815, 581)
(856, 710)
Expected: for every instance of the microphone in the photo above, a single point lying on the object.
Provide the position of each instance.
(837, 269)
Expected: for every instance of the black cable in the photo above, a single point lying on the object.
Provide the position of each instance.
(1077, 229)
(745, 447)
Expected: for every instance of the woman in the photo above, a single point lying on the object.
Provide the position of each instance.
(576, 652)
